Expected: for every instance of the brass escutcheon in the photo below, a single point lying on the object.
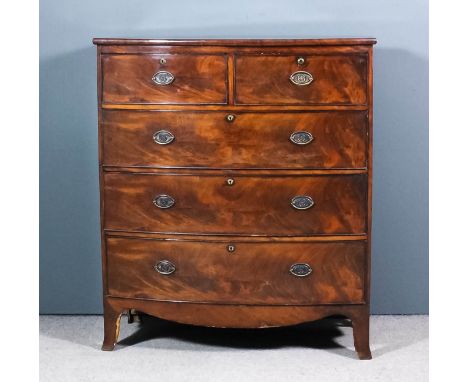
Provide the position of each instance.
(230, 117)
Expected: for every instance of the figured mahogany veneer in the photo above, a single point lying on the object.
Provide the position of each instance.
(197, 79)
(208, 140)
(337, 79)
(252, 205)
(254, 273)
(236, 181)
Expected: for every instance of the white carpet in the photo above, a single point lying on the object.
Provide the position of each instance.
(161, 351)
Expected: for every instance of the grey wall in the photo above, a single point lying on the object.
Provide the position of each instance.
(70, 278)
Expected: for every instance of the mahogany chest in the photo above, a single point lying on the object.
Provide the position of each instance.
(236, 181)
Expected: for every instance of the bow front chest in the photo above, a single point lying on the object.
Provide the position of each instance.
(235, 181)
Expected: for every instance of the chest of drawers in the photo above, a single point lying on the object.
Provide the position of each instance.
(235, 181)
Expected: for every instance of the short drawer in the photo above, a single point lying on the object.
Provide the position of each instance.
(287, 80)
(269, 205)
(238, 273)
(164, 79)
(250, 140)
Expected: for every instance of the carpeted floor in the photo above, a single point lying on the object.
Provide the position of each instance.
(161, 351)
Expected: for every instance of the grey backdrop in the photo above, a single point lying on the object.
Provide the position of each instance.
(70, 276)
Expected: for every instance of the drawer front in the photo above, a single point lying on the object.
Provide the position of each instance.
(236, 205)
(251, 140)
(254, 273)
(143, 79)
(280, 80)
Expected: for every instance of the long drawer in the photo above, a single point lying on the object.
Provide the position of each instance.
(261, 205)
(249, 140)
(242, 272)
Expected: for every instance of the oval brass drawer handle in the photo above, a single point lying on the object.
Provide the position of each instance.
(165, 267)
(300, 269)
(301, 78)
(163, 78)
(164, 201)
(163, 137)
(301, 137)
(301, 202)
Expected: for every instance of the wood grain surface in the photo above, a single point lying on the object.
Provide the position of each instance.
(252, 205)
(199, 79)
(337, 79)
(252, 140)
(254, 273)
